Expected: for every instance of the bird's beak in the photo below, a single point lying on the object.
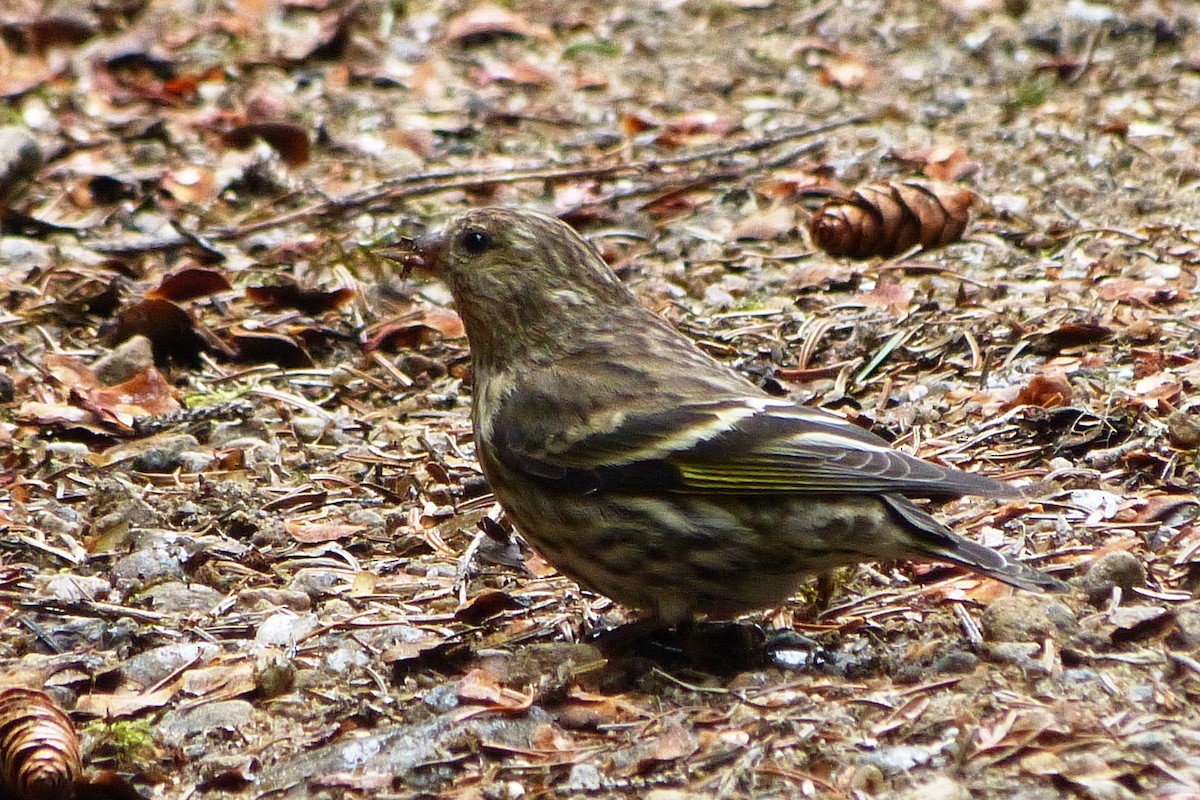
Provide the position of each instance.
(421, 253)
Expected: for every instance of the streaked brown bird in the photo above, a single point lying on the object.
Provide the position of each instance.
(651, 473)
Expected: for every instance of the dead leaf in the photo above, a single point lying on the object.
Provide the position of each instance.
(125, 704)
(1152, 390)
(891, 293)
(1138, 292)
(290, 141)
(316, 532)
(1051, 390)
(489, 21)
(694, 129)
(289, 294)
(36, 413)
(147, 394)
(848, 71)
(189, 283)
(487, 603)
(416, 330)
(191, 184)
(766, 225)
(219, 681)
(45, 33)
(517, 73)
(268, 347)
(1072, 334)
(675, 742)
(480, 685)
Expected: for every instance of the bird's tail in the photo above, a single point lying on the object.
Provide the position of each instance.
(935, 541)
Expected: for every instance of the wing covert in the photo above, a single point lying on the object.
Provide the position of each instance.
(739, 445)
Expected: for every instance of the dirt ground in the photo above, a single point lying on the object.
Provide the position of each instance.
(244, 541)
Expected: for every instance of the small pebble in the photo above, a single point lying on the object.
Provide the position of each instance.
(128, 360)
(1028, 618)
(1118, 568)
(1183, 430)
(309, 429)
(20, 157)
(939, 788)
(1187, 628)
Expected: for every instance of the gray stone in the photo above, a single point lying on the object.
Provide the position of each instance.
(131, 358)
(1112, 570)
(1028, 618)
(20, 157)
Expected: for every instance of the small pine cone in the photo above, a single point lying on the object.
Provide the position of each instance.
(885, 219)
(39, 748)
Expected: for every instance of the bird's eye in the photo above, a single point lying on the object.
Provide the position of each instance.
(475, 242)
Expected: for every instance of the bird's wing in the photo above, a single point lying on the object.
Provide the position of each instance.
(740, 445)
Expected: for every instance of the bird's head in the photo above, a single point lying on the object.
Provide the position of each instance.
(516, 276)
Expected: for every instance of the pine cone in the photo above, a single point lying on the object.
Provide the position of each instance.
(39, 748)
(885, 219)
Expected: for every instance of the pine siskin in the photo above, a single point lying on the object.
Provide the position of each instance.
(651, 473)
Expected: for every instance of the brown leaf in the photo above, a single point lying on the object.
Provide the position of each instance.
(290, 141)
(890, 293)
(1043, 763)
(945, 163)
(37, 413)
(70, 372)
(584, 709)
(1169, 509)
(1043, 391)
(480, 685)
(1152, 390)
(192, 184)
(785, 184)
(443, 320)
(417, 330)
(517, 73)
(23, 73)
(125, 704)
(430, 648)
(487, 603)
(675, 742)
(824, 275)
(632, 123)
(268, 347)
(694, 129)
(147, 394)
(549, 738)
(766, 225)
(483, 686)
(1073, 334)
(316, 532)
(848, 71)
(1139, 293)
(40, 35)
(288, 294)
(489, 21)
(673, 204)
(224, 680)
(189, 283)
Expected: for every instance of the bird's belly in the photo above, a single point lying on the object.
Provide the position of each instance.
(676, 556)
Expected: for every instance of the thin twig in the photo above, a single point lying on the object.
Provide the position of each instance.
(383, 196)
